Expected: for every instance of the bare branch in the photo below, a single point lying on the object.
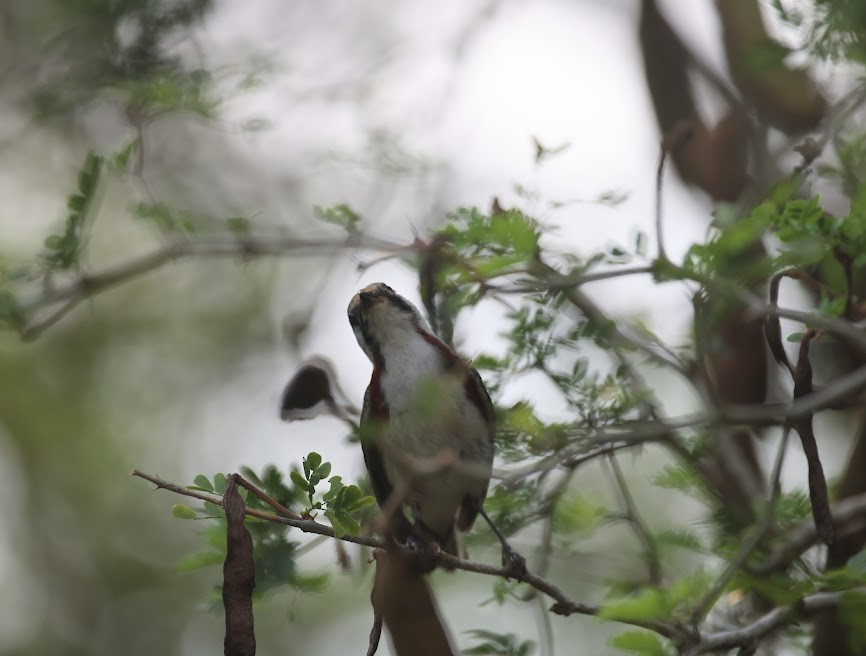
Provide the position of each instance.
(86, 286)
(634, 518)
(766, 624)
(849, 516)
(758, 533)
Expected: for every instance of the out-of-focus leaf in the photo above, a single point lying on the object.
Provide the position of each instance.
(639, 642)
(181, 511)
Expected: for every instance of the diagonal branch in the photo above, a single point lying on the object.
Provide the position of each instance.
(86, 285)
(750, 635)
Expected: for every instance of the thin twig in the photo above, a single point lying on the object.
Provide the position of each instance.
(760, 531)
(632, 515)
(849, 515)
(85, 286)
(273, 503)
(561, 282)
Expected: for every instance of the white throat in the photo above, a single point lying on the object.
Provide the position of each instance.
(408, 358)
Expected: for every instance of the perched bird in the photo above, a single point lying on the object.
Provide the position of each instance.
(423, 400)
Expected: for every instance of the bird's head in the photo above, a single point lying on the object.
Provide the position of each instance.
(382, 319)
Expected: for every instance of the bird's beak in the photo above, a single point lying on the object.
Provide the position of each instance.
(367, 299)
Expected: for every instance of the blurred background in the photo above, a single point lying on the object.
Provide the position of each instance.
(266, 109)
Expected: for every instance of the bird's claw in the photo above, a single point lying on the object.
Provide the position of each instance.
(513, 563)
(425, 553)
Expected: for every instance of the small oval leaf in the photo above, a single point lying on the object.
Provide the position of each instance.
(181, 511)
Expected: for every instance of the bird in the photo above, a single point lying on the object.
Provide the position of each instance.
(423, 401)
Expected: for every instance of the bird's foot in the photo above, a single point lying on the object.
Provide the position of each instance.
(425, 552)
(513, 563)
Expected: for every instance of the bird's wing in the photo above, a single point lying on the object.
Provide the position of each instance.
(477, 393)
(373, 416)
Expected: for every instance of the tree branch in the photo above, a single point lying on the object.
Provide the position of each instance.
(772, 621)
(85, 286)
(563, 605)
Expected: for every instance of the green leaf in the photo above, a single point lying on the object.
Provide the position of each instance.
(682, 538)
(336, 485)
(576, 514)
(203, 482)
(852, 610)
(639, 642)
(360, 504)
(214, 509)
(677, 477)
(499, 644)
(181, 511)
(311, 583)
(350, 524)
(300, 481)
(76, 202)
(54, 242)
(341, 215)
(689, 590)
(648, 604)
(351, 495)
(312, 462)
(339, 529)
(239, 225)
(120, 160)
(219, 483)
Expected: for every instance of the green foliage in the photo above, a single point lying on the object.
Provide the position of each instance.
(640, 642)
(62, 251)
(238, 225)
(499, 644)
(491, 245)
(340, 504)
(273, 552)
(173, 90)
(341, 215)
(681, 538)
(647, 605)
(651, 603)
(577, 515)
(852, 611)
(165, 218)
